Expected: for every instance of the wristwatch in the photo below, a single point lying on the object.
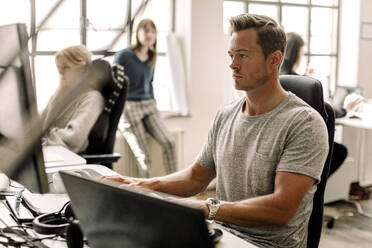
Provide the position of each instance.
(213, 206)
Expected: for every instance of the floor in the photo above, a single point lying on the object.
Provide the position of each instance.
(350, 228)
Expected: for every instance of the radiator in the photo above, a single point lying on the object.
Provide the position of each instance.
(127, 163)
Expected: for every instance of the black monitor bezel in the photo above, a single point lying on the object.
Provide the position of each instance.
(18, 57)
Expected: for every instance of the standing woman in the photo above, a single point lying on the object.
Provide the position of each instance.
(141, 114)
(73, 124)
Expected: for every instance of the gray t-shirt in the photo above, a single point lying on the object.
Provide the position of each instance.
(247, 151)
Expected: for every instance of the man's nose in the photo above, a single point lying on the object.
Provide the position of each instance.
(234, 65)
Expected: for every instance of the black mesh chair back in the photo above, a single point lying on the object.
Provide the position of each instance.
(310, 90)
(102, 136)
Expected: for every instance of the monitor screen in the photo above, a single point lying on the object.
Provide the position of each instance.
(17, 108)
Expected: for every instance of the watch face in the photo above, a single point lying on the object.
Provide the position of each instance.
(213, 201)
(213, 206)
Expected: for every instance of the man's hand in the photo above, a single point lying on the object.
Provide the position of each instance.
(150, 183)
(353, 101)
(147, 183)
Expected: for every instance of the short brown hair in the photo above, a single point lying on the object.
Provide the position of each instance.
(271, 36)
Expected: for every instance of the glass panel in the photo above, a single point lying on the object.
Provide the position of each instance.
(295, 1)
(46, 79)
(323, 31)
(162, 84)
(66, 16)
(325, 2)
(231, 9)
(157, 10)
(15, 11)
(302, 67)
(267, 0)
(294, 19)
(97, 14)
(264, 9)
(99, 40)
(162, 42)
(54, 40)
(122, 42)
(325, 70)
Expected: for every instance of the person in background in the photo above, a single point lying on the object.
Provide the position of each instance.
(292, 59)
(266, 150)
(72, 126)
(141, 114)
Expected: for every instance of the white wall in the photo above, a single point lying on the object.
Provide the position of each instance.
(349, 43)
(199, 23)
(365, 51)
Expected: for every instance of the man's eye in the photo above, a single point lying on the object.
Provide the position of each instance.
(243, 55)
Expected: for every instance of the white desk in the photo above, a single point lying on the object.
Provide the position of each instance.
(357, 137)
(231, 241)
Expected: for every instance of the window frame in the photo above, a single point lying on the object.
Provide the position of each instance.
(309, 5)
(83, 28)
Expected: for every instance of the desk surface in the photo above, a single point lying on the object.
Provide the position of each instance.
(365, 123)
(230, 240)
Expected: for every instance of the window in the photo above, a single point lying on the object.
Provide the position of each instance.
(316, 21)
(56, 24)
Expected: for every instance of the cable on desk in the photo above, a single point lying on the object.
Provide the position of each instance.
(27, 240)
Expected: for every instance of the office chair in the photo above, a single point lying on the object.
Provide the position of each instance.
(310, 90)
(103, 134)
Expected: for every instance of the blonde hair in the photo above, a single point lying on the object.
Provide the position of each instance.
(77, 55)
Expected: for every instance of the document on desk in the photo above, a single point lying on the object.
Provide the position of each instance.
(45, 203)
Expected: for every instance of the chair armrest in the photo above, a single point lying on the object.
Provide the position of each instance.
(101, 158)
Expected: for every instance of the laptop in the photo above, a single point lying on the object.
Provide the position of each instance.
(342, 92)
(110, 216)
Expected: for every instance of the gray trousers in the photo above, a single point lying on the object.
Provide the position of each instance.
(138, 118)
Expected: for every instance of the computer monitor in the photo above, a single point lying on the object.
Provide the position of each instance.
(17, 109)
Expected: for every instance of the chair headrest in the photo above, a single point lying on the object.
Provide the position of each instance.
(99, 74)
(116, 86)
(308, 89)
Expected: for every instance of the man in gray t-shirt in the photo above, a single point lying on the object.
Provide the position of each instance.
(247, 152)
(266, 150)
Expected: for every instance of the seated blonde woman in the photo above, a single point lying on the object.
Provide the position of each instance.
(73, 124)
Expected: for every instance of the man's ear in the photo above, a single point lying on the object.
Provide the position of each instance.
(275, 58)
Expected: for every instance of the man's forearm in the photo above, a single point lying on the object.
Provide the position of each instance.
(254, 212)
(185, 183)
(275, 209)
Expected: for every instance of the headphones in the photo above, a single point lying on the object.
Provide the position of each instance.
(62, 223)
